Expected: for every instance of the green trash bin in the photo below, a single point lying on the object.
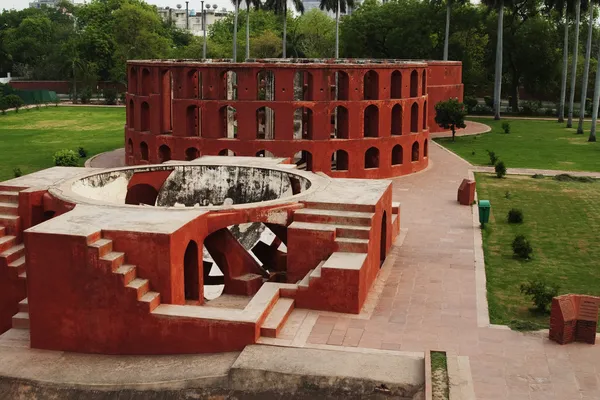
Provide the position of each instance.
(484, 211)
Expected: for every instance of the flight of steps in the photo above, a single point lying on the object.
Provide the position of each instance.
(277, 317)
(114, 262)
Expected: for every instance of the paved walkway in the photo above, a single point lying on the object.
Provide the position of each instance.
(109, 159)
(472, 128)
(533, 171)
(427, 300)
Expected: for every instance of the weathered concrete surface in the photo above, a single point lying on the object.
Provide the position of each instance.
(295, 370)
(47, 177)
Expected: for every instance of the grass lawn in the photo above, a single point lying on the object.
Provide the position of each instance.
(561, 220)
(531, 144)
(29, 139)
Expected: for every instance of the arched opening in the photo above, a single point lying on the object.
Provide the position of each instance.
(425, 115)
(227, 152)
(47, 215)
(303, 86)
(144, 151)
(193, 116)
(228, 85)
(415, 152)
(414, 118)
(264, 153)
(371, 121)
(397, 120)
(424, 83)
(303, 160)
(191, 272)
(131, 115)
(414, 84)
(372, 158)
(132, 86)
(340, 123)
(341, 86)
(396, 85)
(339, 161)
(164, 153)
(166, 96)
(425, 148)
(228, 122)
(397, 155)
(383, 239)
(371, 86)
(141, 194)
(129, 146)
(265, 123)
(146, 82)
(145, 123)
(191, 153)
(266, 85)
(303, 123)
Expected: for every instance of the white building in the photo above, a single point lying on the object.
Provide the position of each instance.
(40, 3)
(193, 21)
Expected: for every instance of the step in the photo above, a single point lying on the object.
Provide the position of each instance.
(104, 246)
(316, 273)
(14, 253)
(333, 217)
(345, 261)
(277, 317)
(352, 231)
(24, 306)
(8, 218)
(114, 259)
(396, 207)
(19, 264)
(2, 231)
(306, 280)
(370, 208)
(351, 245)
(142, 286)
(9, 208)
(20, 320)
(152, 299)
(355, 232)
(23, 275)
(6, 242)
(127, 272)
(9, 197)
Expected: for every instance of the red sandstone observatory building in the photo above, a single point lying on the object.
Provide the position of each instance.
(126, 260)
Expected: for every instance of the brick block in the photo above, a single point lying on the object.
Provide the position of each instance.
(466, 192)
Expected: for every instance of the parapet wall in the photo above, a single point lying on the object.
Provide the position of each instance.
(346, 118)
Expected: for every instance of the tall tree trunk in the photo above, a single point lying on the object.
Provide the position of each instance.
(447, 38)
(284, 28)
(75, 85)
(337, 30)
(247, 30)
(563, 84)
(498, 72)
(592, 137)
(574, 64)
(586, 71)
(235, 26)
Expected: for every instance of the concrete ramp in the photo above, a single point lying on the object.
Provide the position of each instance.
(272, 372)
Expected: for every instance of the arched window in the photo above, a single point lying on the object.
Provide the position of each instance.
(265, 123)
(145, 115)
(191, 153)
(425, 115)
(227, 152)
(129, 146)
(303, 123)
(264, 153)
(341, 86)
(303, 86)
(397, 120)
(265, 86)
(397, 155)
(425, 148)
(193, 116)
(132, 86)
(414, 118)
(414, 84)
(131, 115)
(303, 160)
(191, 272)
(372, 158)
(340, 123)
(396, 85)
(144, 151)
(424, 83)
(164, 153)
(146, 82)
(228, 122)
(371, 86)
(371, 121)
(141, 194)
(415, 152)
(339, 161)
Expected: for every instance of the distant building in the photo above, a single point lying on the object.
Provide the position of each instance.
(310, 4)
(177, 16)
(40, 3)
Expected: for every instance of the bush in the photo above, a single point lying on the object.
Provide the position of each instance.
(489, 101)
(122, 98)
(515, 216)
(493, 157)
(550, 112)
(500, 169)
(110, 96)
(540, 293)
(14, 101)
(521, 247)
(531, 107)
(66, 158)
(538, 176)
(471, 103)
(506, 127)
(85, 95)
(17, 172)
(482, 109)
(571, 178)
(82, 153)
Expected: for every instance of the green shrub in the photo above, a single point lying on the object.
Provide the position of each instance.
(493, 157)
(515, 216)
(65, 158)
(571, 178)
(122, 98)
(110, 96)
(82, 152)
(471, 103)
(538, 176)
(500, 169)
(482, 109)
(17, 172)
(3, 104)
(85, 95)
(531, 107)
(14, 101)
(506, 127)
(521, 247)
(541, 294)
(489, 101)
(550, 112)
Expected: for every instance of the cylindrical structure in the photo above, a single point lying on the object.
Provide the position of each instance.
(370, 122)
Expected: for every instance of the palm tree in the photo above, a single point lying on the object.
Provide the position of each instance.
(586, 69)
(449, 4)
(592, 137)
(498, 5)
(337, 6)
(256, 4)
(279, 7)
(236, 4)
(574, 63)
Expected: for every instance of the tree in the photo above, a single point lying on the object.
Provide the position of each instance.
(236, 4)
(279, 7)
(337, 6)
(267, 45)
(449, 4)
(574, 64)
(256, 4)
(14, 101)
(586, 69)
(318, 34)
(595, 104)
(450, 114)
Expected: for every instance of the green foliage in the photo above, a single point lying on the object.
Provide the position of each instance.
(110, 96)
(65, 158)
(318, 34)
(531, 108)
(488, 101)
(82, 152)
(541, 294)
(450, 114)
(538, 176)
(500, 169)
(471, 103)
(521, 247)
(515, 216)
(506, 127)
(17, 172)
(13, 101)
(493, 157)
(572, 178)
(267, 45)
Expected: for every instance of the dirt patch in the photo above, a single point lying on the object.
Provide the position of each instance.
(439, 376)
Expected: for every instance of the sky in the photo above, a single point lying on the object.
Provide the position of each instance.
(20, 4)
